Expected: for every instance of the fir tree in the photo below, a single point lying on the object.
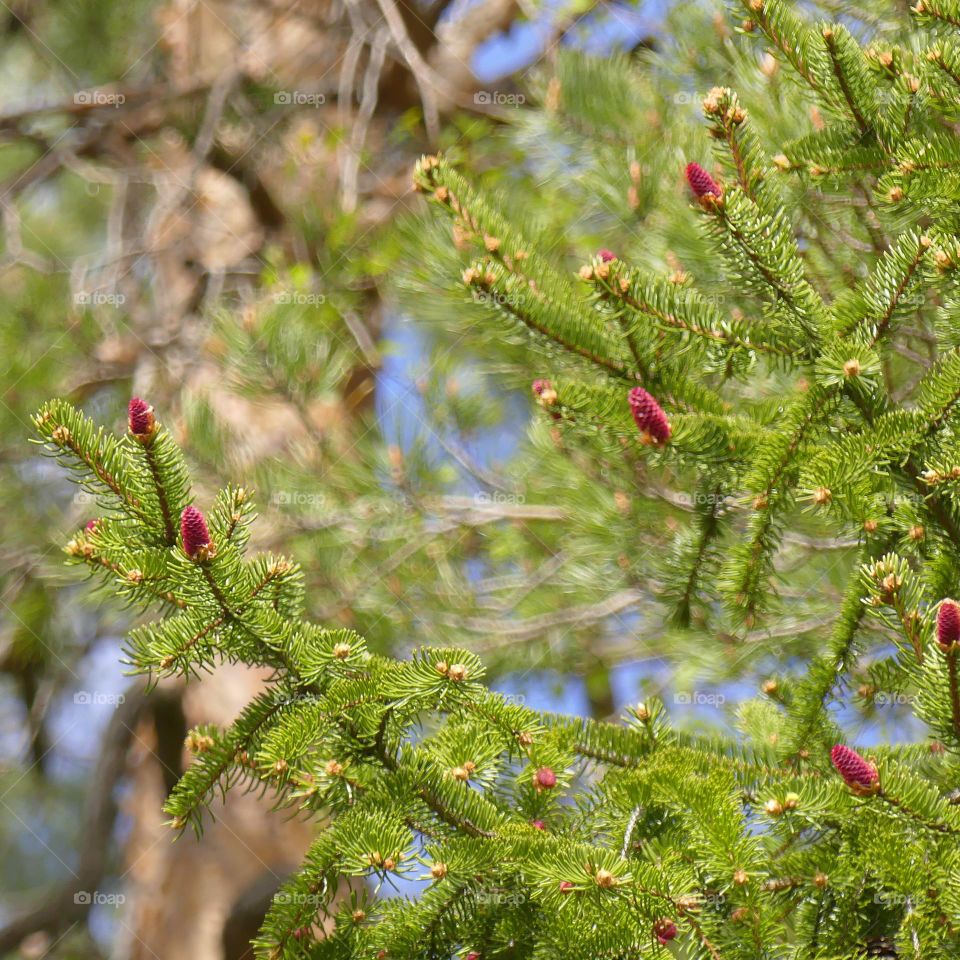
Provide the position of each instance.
(543, 835)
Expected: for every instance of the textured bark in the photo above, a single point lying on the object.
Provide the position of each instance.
(202, 899)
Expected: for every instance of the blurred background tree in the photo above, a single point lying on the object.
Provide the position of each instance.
(208, 204)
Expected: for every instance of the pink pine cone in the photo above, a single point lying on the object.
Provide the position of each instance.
(538, 386)
(606, 255)
(664, 930)
(948, 624)
(856, 772)
(140, 417)
(701, 183)
(545, 779)
(649, 415)
(193, 528)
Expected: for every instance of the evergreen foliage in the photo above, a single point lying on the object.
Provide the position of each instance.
(547, 836)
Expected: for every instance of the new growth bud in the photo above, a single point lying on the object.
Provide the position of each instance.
(664, 930)
(544, 779)
(140, 419)
(649, 416)
(859, 775)
(948, 625)
(195, 534)
(701, 183)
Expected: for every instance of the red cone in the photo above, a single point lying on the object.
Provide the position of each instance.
(701, 183)
(140, 418)
(649, 416)
(545, 779)
(948, 624)
(664, 930)
(196, 536)
(857, 773)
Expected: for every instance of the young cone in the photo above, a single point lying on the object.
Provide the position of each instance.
(140, 418)
(196, 535)
(948, 624)
(701, 183)
(545, 779)
(649, 416)
(664, 930)
(858, 774)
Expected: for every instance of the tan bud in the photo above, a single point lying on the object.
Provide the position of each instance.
(605, 879)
